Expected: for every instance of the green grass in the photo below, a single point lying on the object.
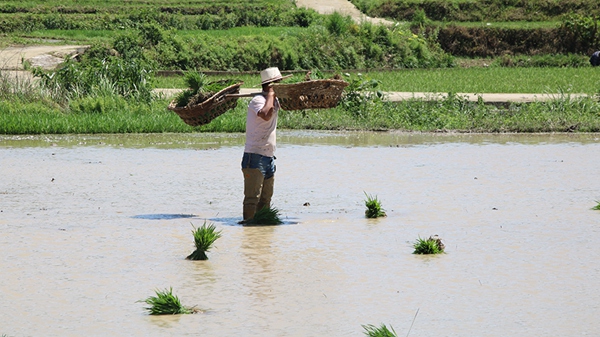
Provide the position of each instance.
(373, 206)
(111, 4)
(491, 80)
(463, 80)
(69, 36)
(431, 245)
(204, 237)
(241, 31)
(597, 207)
(103, 115)
(265, 216)
(165, 303)
(382, 331)
(98, 36)
(92, 115)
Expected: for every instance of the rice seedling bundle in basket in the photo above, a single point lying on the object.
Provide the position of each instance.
(204, 101)
(310, 94)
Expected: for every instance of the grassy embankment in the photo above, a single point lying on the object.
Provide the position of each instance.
(115, 114)
(101, 107)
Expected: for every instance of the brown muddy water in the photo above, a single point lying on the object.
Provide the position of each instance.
(90, 225)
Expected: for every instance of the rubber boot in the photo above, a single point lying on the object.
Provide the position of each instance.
(253, 180)
(266, 194)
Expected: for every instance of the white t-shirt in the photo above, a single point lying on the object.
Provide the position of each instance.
(260, 134)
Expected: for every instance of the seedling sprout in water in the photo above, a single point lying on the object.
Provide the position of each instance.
(204, 237)
(597, 207)
(432, 245)
(265, 216)
(165, 303)
(374, 209)
(382, 331)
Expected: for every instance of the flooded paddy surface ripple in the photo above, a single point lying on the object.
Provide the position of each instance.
(91, 225)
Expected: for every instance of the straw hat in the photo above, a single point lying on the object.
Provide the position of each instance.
(271, 74)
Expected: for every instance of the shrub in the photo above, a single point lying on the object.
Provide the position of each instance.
(419, 19)
(337, 24)
(581, 33)
(126, 73)
(301, 17)
(361, 94)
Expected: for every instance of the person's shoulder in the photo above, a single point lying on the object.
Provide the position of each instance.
(259, 98)
(257, 102)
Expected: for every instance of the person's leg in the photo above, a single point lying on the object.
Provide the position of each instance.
(253, 182)
(268, 169)
(259, 178)
(266, 193)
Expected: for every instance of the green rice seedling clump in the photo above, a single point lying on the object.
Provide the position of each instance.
(266, 216)
(382, 331)
(374, 209)
(204, 237)
(199, 88)
(597, 207)
(432, 245)
(165, 303)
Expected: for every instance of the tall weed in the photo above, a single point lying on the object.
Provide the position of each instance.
(125, 72)
(361, 94)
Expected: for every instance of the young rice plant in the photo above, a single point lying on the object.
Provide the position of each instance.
(200, 89)
(382, 331)
(165, 303)
(374, 209)
(204, 237)
(432, 245)
(265, 216)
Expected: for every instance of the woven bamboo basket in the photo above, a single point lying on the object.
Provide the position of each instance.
(314, 94)
(213, 107)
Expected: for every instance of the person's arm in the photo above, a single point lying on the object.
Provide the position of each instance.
(268, 109)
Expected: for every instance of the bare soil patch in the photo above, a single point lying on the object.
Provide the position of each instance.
(344, 7)
(45, 56)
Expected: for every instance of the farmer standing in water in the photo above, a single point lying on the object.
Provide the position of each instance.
(258, 161)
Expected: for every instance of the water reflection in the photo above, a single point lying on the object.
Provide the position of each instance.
(258, 253)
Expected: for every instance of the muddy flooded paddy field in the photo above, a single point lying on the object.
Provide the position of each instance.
(92, 224)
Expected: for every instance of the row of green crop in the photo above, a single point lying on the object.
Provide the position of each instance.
(95, 6)
(114, 114)
(485, 10)
(242, 16)
(492, 78)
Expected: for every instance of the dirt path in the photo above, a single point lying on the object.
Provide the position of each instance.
(344, 7)
(45, 56)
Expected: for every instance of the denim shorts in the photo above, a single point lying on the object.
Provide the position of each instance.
(266, 165)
